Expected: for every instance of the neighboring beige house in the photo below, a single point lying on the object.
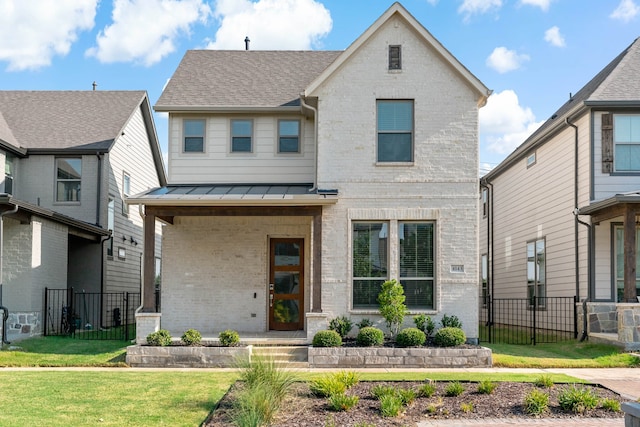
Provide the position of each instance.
(69, 159)
(299, 181)
(560, 213)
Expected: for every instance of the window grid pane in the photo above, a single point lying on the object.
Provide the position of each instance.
(370, 262)
(395, 131)
(68, 180)
(194, 136)
(241, 133)
(288, 136)
(417, 263)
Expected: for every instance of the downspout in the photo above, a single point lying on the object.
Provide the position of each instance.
(5, 311)
(98, 190)
(576, 236)
(303, 104)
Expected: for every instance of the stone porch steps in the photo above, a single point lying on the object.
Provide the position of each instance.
(284, 355)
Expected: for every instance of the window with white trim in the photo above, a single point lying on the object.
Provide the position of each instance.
(68, 179)
(626, 140)
(241, 136)
(126, 192)
(395, 130)
(288, 136)
(193, 135)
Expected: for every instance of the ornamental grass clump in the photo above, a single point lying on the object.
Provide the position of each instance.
(536, 402)
(370, 336)
(454, 389)
(333, 383)
(577, 399)
(390, 405)
(159, 338)
(427, 389)
(486, 387)
(326, 338)
(411, 337)
(544, 381)
(342, 402)
(449, 337)
(191, 337)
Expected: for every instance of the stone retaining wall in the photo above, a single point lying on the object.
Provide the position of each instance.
(384, 357)
(629, 325)
(185, 357)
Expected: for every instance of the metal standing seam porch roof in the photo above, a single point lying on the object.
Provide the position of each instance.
(235, 194)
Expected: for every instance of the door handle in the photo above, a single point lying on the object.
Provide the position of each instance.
(270, 300)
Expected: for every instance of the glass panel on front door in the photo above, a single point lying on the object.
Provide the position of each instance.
(286, 284)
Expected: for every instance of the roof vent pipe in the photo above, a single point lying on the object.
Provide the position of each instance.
(246, 43)
(94, 84)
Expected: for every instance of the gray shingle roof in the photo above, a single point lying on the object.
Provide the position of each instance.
(67, 119)
(229, 78)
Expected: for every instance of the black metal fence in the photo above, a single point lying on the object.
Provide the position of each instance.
(528, 320)
(90, 315)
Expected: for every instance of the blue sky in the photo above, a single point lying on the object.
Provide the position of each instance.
(531, 53)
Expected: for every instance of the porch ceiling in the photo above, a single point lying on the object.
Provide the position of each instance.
(236, 195)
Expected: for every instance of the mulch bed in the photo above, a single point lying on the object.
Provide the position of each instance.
(303, 409)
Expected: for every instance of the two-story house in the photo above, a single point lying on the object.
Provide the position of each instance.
(299, 181)
(69, 159)
(560, 213)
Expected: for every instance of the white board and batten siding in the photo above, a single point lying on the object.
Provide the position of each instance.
(131, 153)
(538, 202)
(263, 165)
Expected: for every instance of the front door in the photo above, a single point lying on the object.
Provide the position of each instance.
(286, 284)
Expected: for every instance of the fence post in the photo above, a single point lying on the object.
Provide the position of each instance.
(46, 309)
(126, 316)
(575, 317)
(535, 309)
(490, 317)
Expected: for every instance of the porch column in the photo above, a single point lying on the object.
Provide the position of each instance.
(317, 262)
(148, 284)
(629, 294)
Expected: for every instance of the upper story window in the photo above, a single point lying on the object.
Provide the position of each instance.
(126, 191)
(193, 134)
(626, 139)
(531, 159)
(8, 173)
(241, 136)
(68, 179)
(289, 136)
(485, 201)
(111, 209)
(395, 57)
(395, 130)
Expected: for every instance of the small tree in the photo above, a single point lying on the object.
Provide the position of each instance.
(391, 299)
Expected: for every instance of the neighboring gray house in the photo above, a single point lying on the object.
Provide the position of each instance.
(69, 159)
(299, 181)
(560, 214)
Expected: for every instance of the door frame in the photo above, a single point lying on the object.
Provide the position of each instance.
(272, 325)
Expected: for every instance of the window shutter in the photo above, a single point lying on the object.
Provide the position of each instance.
(607, 143)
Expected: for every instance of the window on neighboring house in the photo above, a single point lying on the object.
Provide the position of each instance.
(395, 131)
(484, 277)
(68, 179)
(619, 261)
(417, 263)
(126, 192)
(531, 159)
(485, 206)
(8, 173)
(111, 210)
(395, 57)
(194, 135)
(536, 265)
(626, 139)
(241, 135)
(289, 136)
(370, 262)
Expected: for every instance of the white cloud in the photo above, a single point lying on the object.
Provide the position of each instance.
(470, 7)
(542, 4)
(33, 32)
(504, 60)
(270, 24)
(553, 36)
(504, 123)
(144, 31)
(626, 11)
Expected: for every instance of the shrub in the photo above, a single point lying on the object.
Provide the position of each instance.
(364, 323)
(191, 337)
(611, 405)
(449, 337)
(544, 381)
(486, 387)
(326, 386)
(410, 337)
(326, 339)
(450, 321)
(454, 389)
(390, 405)
(536, 402)
(427, 390)
(229, 338)
(577, 399)
(159, 338)
(342, 325)
(392, 307)
(370, 336)
(424, 323)
(342, 402)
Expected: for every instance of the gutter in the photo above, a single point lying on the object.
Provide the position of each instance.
(304, 105)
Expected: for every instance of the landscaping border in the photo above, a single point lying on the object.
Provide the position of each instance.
(145, 356)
